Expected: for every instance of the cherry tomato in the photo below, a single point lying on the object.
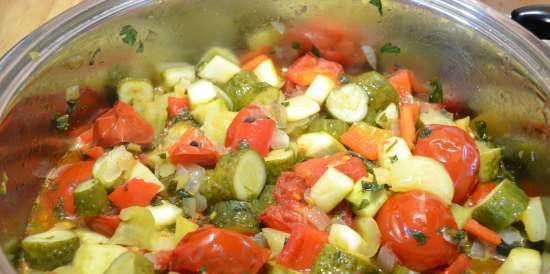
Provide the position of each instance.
(216, 251)
(193, 148)
(176, 105)
(122, 124)
(304, 70)
(252, 125)
(480, 192)
(302, 247)
(411, 224)
(452, 147)
(104, 224)
(284, 216)
(289, 186)
(311, 170)
(135, 192)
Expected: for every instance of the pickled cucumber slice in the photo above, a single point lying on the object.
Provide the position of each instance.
(242, 88)
(380, 92)
(502, 206)
(95, 258)
(333, 127)
(48, 250)
(130, 263)
(349, 103)
(265, 200)
(90, 198)
(489, 161)
(132, 91)
(333, 260)
(235, 215)
(278, 161)
(367, 198)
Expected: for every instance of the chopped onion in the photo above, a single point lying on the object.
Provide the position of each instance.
(386, 259)
(197, 175)
(191, 205)
(512, 236)
(318, 218)
(477, 250)
(371, 55)
(279, 139)
(200, 202)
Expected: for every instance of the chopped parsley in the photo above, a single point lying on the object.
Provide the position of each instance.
(390, 48)
(418, 236)
(182, 193)
(163, 155)
(368, 164)
(316, 51)
(378, 4)
(481, 130)
(71, 105)
(62, 122)
(296, 45)
(370, 186)
(364, 203)
(140, 47)
(393, 159)
(93, 55)
(4, 184)
(128, 35)
(285, 104)
(436, 94)
(424, 132)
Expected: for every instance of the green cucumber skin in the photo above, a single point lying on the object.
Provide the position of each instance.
(235, 215)
(333, 127)
(333, 260)
(380, 91)
(45, 258)
(130, 263)
(275, 168)
(489, 162)
(92, 201)
(243, 88)
(265, 199)
(502, 206)
(213, 190)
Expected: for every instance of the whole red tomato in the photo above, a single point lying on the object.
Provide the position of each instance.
(452, 147)
(215, 251)
(411, 225)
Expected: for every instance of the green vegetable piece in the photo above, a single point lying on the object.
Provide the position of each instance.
(377, 4)
(235, 215)
(367, 198)
(333, 127)
(333, 260)
(242, 88)
(381, 93)
(62, 122)
(216, 51)
(388, 47)
(95, 258)
(265, 36)
(490, 158)
(268, 95)
(136, 229)
(274, 268)
(213, 190)
(90, 198)
(128, 34)
(48, 250)
(399, 269)
(436, 94)
(131, 263)
(502, 206)
(265, 200)
(481, 130)
(278, 161)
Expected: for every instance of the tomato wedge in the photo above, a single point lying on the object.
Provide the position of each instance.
(215, 251)
(289, 187)
(104, 224)
(311, 170)
(135, 192)
(122, 124)
(285, 216)
(302, 247)
(176, 105)
(456, 150)
(254, 127)
(193, 148)
(304, 70)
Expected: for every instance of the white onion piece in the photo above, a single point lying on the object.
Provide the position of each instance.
(477, 250)
(201, 203)
(279, 139)
(318, 218)
(197, 175)
(386, 259)
(371, 55)
(512, 236)
(191, 205)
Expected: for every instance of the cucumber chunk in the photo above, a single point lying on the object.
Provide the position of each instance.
(393, 149)
(461, 214)
(275, 240)
(331, 189)
(218, 65)
(95, 258)
(136, 229)
(201, 112)
(267, 73)
(320, 88)
(48, 250)
(380, 92)
(165, 214)
(267, 96)
(349, 240)
(130, 263)
(367, 198)
(333, 260)
(301, 107)
(137, 91)
(90, 198)
(202, 92)
(333, 127)
(278, 161)
(489, 161)
(267, 35)
(108, 169)
(388, 117)
(318, 144)
(242, 89)
(521, 260)
(175, 73)
(235, 215)
(369, 231)
(439, 117)
(349, 103)
(534, 220)
(502, 206)
(183, 227)
(265, 200)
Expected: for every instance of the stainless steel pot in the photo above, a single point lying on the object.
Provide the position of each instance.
(485, 61)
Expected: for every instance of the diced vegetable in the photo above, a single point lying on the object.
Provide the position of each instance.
(251, 127)
(165, 213)
(348, 240)
(274, 268)
(306, 68)
(407, 122)
(155, 112)
(333, 127)
(388, 117)
(265, 200)
(193, 148)
(242, 88)
(489, 161)
(521, 260)
(349, 103)
(279, 139)
(109, 167)
(482, 233)
(174, 133)
(365, 139)
(267, 73)
(216, 125)
(275, 240)
(331, 189)
(334, 260)
(392, 150)
(183, 227)
(136, 229)
(267, 96)
(217, 51)
(177, 106)
(90, 198)
(421, 173)
(301, 107)
(218, 65)
(399, 269)
(177, 73)
(320, 88)
(201, 112)
(278, 161)
(141, 172)
(95, 258)
(201, 92)
(137, 91)
(235, 215)
(502, 206)
(90, 237)
(459, 265)
(130, 263)
(369, 231)
(461, 214)
(435, 116)
(367, 198)
(48, 250)
(534, 220)
(267, 35)
(380, 93)
(318, 144)
(302, 248)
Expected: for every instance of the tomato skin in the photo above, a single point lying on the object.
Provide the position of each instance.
(303, 71)
(121, 124)
(176, 105)
(456, 150)
(135, 192)
(418, 212)
(344, 213)
(312, 169)
(218, 251)
(63, 185)
(193, 148)
(284, 216)
(252, 125)
(480, 192)
(289, 186)
(302, 247)
(104, 224)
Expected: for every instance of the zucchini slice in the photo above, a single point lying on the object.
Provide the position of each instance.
(165, 214)
(349, 103)
(132, 91)
(489, 161)
(183, 226)
(381, 93)
(218, 69)
(175, 73)
(301, 107)
(320, 88)
(267, 73)
(534, 220)
(90, 198)
(392, 150)
(96, 258)
(278, 161)
(502, 206)
(48, 250)
(111, 165)
(521, 260)
(130, 263)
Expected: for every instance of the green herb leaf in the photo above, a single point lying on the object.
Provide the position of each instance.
(140, 47)
(128, 34)
(71, 105)
(296, 45)
(378, 4)
(316, 51)
(393, 159)
(62, 122)
(163, 156)
(424, 132)
(91, 62)
(418, 236)
(391, 146)
(285, 104)
(4, 184)
(390, 48)
(436, 94)
(481, 130)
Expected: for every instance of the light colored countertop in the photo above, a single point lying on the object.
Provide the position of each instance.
(20, 17)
